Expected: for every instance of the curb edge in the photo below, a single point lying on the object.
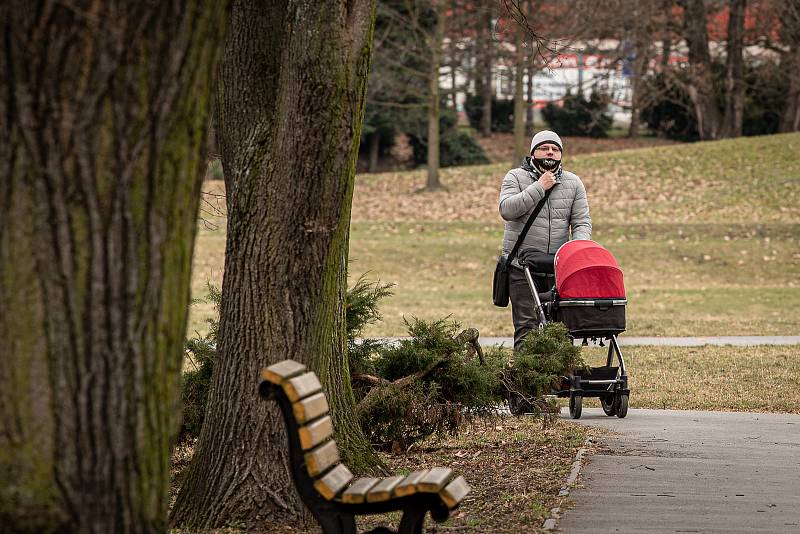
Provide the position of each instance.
(551, 523)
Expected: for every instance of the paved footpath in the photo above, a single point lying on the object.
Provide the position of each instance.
(685, 471)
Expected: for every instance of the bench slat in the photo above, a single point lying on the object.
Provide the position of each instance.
(310, 408)
(315, 433)
(357, 492)
(335, 481)
(301, 386)
(408, 486)
(382, 491)
(435, 479)
(281, 371)
(454, 492)
(321, 458)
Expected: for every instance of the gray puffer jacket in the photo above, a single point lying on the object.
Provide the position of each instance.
(565, 209)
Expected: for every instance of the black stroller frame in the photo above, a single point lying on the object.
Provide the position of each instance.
(609, 383)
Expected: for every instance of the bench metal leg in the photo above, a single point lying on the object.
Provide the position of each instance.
(337, 523)
(413, 521)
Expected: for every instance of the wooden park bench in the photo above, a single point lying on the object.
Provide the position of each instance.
(327, 487)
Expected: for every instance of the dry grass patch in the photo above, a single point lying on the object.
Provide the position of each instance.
(514, 466)
(707, 182)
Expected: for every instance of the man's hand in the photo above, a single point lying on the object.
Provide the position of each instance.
(547, 180)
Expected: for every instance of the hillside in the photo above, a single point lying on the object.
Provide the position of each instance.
(752, 179)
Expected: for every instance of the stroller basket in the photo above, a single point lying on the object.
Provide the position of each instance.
(592, 318)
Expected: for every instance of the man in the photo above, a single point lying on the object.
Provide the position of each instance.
(566, 210)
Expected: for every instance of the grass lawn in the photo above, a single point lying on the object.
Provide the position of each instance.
(708, 235)
(728, 378)
(682, 280)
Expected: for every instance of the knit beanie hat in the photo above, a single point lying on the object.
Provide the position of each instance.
(546, 136)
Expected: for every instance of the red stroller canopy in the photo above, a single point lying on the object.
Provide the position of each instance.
(584, 269)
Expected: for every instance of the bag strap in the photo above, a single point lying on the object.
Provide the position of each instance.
(528, 225)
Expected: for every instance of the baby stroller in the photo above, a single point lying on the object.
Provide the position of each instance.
(589, 298)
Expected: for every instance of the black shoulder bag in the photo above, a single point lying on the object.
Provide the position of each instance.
(500, 289)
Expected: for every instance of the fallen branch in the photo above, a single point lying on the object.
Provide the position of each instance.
(385, 387)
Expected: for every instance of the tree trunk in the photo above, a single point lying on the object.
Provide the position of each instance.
(519, 102)
(790, 122)
(666, 41)
(640, 66)
(636, 109)
(435, 45)
(701, 81)
(486, 63)
(103, 148)
(289, 127)
(734, 71)
(454, 64)
(531, 70)
(529, 126)
(374, 151)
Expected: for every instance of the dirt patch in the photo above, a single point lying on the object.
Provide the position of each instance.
(514, 467)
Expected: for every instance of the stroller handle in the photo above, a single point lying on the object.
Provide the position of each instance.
(536, 298)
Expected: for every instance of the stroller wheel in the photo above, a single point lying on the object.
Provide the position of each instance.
(622, 406)
(575, 406)
(609, 406)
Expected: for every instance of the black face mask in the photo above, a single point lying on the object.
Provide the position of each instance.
(546, 164)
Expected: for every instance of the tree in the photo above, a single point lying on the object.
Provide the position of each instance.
(485, 43)
(104, 108)
(435, 39)
(701, 78)
(734, 71)
(642, 22)
(790, 121)
(289, 109)
(520, 149)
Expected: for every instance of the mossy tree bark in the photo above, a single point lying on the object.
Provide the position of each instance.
(290, 105)
(104, 114)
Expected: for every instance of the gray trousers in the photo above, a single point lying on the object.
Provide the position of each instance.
(523, 312)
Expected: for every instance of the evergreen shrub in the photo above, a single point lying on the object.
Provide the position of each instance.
(201, 351)
(451, 383)
(502, 113)
(456, 147)
(578, 116)
(421, 386)
(670, 114)
(546, 356)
